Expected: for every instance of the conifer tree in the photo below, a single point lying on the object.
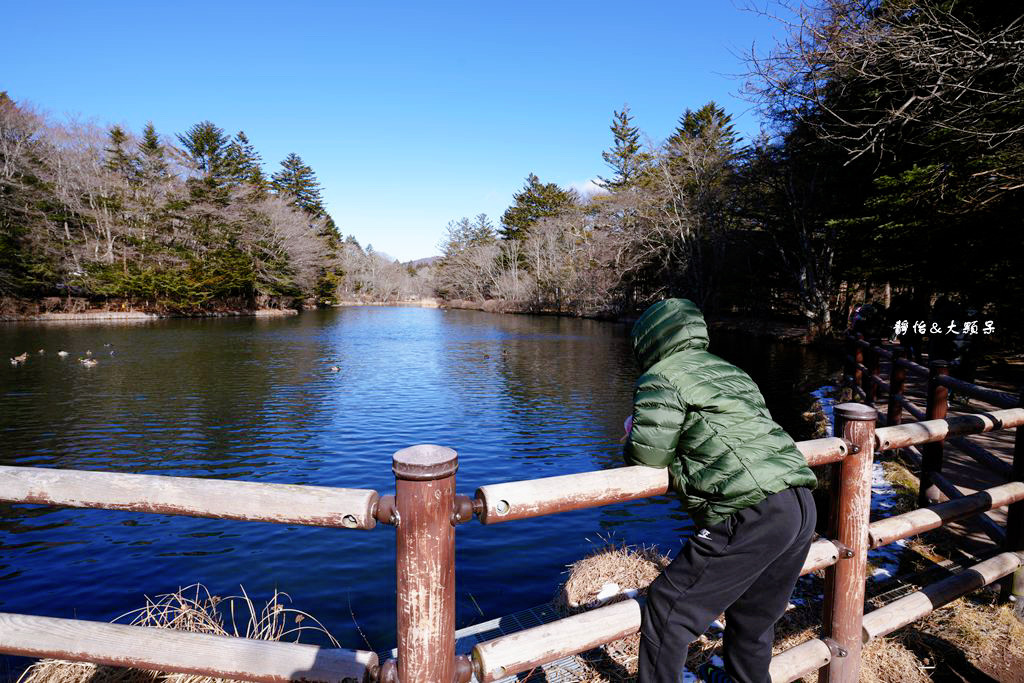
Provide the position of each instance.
(152, 161)
(298, 181)
(535, 201)
(119, 159)
(710, 120)
(626, 157)
(243, 163)
(206, 144)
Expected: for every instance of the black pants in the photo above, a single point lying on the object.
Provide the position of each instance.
(746, 566)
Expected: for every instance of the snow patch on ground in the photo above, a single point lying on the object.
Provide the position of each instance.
(886, 559)
(825, 396)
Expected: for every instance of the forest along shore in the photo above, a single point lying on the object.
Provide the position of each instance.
(100, 315)
(35, 312)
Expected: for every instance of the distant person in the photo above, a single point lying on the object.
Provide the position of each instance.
(742, 480)
(909, 336)
(854, 317)
(869, 321)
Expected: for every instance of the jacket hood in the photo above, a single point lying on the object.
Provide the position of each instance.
(668, 327)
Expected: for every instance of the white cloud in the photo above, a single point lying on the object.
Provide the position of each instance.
(588, 188)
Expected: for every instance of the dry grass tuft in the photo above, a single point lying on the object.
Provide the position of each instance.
(970, 635)
(195, 610)
(887, 660)
(630, 568)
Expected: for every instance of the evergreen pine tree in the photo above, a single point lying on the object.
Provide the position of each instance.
(626, 156)
(119, 159)
(206, 145)
(535, 201)
(298, 181)
(708, 120)
(152, 161)
(243, 163)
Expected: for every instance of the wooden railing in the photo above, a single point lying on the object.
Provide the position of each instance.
(425, 510)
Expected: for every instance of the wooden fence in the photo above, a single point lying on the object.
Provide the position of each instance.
(425, 509)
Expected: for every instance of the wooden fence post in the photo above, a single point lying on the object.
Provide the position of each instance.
(1015, 524)
(873, 363)
(931, 453)
(425, 563)
(897, 380)
(897, 383)
(844, 581)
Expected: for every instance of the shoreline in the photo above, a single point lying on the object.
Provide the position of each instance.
(775, 330)
(100, 315)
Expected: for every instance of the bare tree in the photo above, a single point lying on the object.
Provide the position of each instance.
(873, 76)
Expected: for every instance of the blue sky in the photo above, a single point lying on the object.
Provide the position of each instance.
(411, 113)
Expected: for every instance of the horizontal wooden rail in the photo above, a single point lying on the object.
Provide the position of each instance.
(918, 521)
(880, 350)
(158, 649)
(917, 605)
(537, 497)
(929, 431)
(912, 409)
(987, 524)
(799, 661)
(823, 451)
(241, 500)
(823, 553)
(983, 456)
(912, 367)
(1001, 399)
(524, 650)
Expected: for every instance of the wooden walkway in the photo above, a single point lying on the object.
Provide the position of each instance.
(962, 470)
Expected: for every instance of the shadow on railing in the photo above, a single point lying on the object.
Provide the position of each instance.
(425, 510)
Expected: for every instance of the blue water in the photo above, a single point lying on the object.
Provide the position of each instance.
(518, 397)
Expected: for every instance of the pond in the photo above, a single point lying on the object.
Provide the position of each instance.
(256, 399)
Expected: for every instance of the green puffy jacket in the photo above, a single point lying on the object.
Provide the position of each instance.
(705, 420)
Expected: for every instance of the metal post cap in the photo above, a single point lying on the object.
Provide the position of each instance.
(855, 411)
(424, 462)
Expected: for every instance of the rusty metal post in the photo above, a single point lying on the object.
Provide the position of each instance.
(873, 363)
(844, 581)
(425, 563)
(1015, 523)
(897, 381)
(931, 453)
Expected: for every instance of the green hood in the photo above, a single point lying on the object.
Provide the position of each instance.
(668, 327)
